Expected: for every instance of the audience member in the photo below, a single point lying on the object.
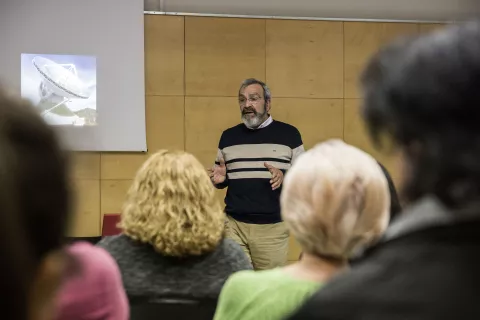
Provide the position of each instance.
(173, 242)
(335, 200)
(96, 291)
(35, 206)
(395, 207)
(423, 93)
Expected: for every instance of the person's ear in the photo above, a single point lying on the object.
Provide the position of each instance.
(48, 279)
(268, 105)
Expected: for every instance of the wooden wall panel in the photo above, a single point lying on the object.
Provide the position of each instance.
(355, 131)
(164, 55)
(362, 39)
(165, 123)
(220, 53)
(316, 119)
(113, 195)
(121, 166)
(85, 165)
(305, 58)
(294, 249)
(86, 212)
(357, 135)
(220, 195)
(205, 120)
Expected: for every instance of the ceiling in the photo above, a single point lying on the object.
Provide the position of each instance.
(423, 10)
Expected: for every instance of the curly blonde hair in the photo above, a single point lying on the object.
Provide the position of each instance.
(172, 206)
(335, 200)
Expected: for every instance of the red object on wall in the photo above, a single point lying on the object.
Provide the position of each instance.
(110, 222)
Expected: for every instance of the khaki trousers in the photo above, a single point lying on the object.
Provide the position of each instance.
(266, 245)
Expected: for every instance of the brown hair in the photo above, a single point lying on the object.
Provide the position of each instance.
(34, 200)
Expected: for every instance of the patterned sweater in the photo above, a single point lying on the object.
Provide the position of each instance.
(250, 197)
(147, 274)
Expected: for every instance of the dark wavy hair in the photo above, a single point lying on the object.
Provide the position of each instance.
(424, 93)
(34, 200)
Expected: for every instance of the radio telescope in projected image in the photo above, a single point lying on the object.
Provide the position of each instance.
(60, 86)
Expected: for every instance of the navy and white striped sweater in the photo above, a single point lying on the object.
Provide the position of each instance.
(250, 197)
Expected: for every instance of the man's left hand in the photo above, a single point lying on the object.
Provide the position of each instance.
(277, 176)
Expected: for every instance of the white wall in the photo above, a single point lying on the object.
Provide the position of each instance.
(431, 10)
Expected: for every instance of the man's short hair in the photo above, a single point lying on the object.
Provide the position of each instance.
(266, 91)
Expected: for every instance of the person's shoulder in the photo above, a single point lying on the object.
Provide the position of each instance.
(87, 250)
(244, 275)
(240, 281)
(233, 129)
(341, 298)
(114, 243)
(259, 276)
(285, 126)
(232, 256)
(287, 133)
(230, 135)
(230, 244)
(251, 281)
(231, 248)
(97, 274)
(256, 277)
(235, 295)
(94, 258)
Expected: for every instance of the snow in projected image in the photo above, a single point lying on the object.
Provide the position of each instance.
(62, 87)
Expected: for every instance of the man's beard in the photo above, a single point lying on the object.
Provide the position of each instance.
(256, 121)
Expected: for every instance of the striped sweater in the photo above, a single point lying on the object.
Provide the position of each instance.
(250, 198)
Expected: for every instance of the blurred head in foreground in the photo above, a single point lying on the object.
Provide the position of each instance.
(171, 205)
(34, 200)
(422, 94)
(335, 200)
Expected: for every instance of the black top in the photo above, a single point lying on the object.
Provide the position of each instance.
(426, 268)
(250, 198)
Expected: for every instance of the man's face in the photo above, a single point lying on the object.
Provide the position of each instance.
(253, 107)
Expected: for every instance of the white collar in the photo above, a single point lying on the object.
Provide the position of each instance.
(265, 123)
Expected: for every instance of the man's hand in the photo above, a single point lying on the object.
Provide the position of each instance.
(277, 176)
(218, 173)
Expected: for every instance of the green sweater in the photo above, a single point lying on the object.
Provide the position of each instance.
(264, 295)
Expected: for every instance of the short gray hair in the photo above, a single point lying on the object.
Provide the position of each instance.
(335, 200)
(250, 81)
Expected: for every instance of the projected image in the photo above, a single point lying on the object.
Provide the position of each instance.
(62, 87)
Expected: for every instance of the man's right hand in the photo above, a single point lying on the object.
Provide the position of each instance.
(218, 173)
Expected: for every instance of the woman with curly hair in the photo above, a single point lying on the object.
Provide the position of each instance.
(173, 242)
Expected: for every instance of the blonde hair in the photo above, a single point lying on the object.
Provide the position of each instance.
(172, 206)
(335, 200)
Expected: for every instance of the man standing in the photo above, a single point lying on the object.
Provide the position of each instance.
(251, 161)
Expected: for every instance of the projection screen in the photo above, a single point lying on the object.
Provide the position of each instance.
(81, 63)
